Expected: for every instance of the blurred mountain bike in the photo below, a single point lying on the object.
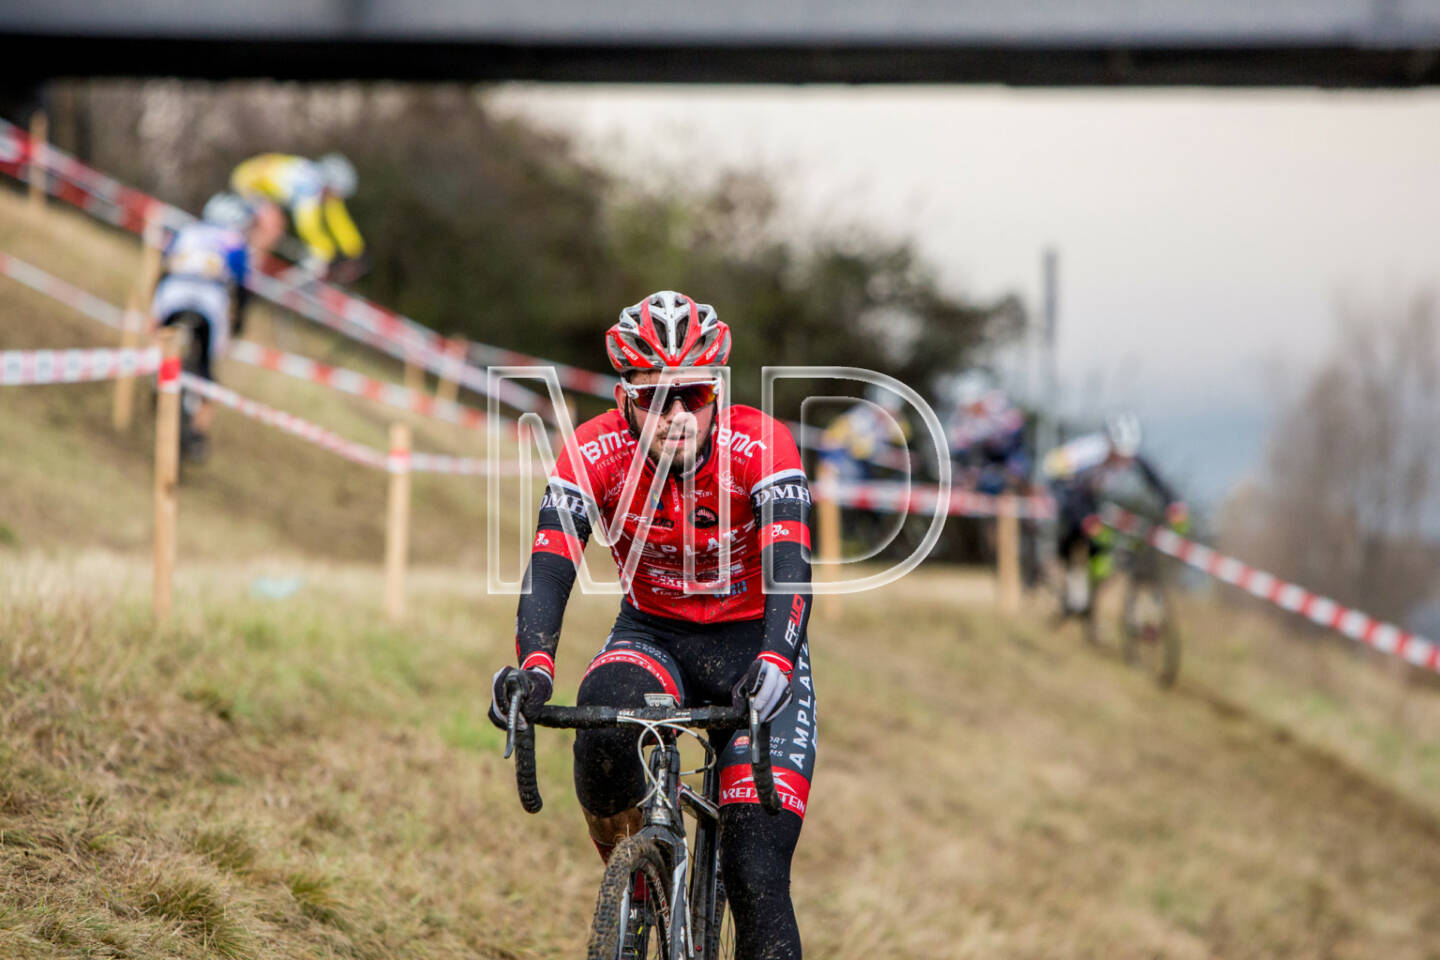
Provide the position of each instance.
(1149, 636)
(662, 897)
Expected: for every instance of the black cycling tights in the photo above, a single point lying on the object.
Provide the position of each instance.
(755, 851)
(702, 663)
(755, 847)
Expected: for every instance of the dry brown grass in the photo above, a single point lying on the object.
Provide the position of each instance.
(315, 504)
(282, 779)
(290, 779)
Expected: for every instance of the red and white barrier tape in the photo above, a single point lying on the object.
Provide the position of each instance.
(571, 378)
(892, 496)
(346, 313)
(57, 289)
(289, 423)
(464, 466)
(83, 186)
(1358, 626)
(809, 437)
(349, 449)
(403, 338)
(27, 367)
(245, 351)
(361, 320)
(359, 385)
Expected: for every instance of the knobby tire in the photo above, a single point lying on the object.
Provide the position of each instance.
(608, 941)
(720, 929)
(1155, 644)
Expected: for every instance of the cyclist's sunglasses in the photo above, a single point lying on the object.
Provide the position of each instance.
(659, 396)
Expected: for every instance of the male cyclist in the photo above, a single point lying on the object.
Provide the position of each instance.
(694, 623)
(1076, 473)
(854, 440)
(312, 193)
(202, 286)
(986, 433)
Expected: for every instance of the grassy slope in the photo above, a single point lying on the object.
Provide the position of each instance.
(314, 503)
(291, 778)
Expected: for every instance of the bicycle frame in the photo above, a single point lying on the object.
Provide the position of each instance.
(667, 798)
(662, 815)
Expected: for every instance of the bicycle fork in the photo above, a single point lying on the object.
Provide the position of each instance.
(665, 819)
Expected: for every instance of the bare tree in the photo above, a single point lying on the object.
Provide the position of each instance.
(1351, 488)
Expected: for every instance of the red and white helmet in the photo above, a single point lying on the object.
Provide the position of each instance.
(667, 329)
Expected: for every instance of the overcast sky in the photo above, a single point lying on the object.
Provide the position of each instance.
(1205, 237)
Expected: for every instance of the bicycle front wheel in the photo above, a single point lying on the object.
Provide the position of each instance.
(632, 911)
(1151, 640)
(720, 930)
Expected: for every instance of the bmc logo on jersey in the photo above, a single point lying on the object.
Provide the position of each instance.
(741, 443)
(606, 443)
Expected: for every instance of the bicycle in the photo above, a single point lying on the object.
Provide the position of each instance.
(1149, 637)
(659, 898)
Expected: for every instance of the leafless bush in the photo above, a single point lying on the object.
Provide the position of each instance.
(1350, 487)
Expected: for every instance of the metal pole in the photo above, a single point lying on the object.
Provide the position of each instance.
(1051, 387)
(1048, 429)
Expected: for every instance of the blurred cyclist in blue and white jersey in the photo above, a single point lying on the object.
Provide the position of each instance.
(202, 287)
(986, 434)
(1076, 473)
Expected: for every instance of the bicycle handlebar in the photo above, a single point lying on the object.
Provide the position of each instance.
(522, 739)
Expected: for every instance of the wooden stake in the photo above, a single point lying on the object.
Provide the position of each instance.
(167, 469)
(828, 529)
(414, 374)
(39, 148)
(136, 312)
(449, 388)
(1007, 555)
(397, 522)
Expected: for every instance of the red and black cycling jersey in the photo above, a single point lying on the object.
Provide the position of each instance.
(749, 492)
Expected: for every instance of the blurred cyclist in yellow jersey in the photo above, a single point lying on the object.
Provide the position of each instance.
(853, 441)
(312, 193)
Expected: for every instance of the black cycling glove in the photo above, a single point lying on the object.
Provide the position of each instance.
(535, 689)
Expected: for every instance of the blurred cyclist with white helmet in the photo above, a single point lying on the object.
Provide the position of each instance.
(202, 287)
(312, 194)
(1076, 473)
